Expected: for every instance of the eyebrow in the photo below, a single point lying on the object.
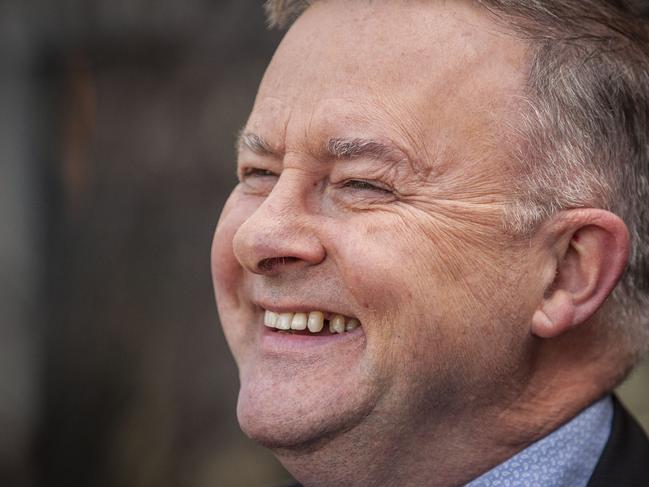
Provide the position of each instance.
(334, 148)
(254, 143)
(355, 148)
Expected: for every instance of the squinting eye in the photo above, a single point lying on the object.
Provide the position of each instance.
(257, 181)
(256, 172)
(364, 185)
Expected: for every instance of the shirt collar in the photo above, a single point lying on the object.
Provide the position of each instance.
(565, 458)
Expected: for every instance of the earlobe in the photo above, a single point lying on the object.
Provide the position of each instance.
(555, 316)
(591, 250)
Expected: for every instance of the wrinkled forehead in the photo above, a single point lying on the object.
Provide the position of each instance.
(434, 66)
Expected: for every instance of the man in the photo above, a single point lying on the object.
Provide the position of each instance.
(418, 271)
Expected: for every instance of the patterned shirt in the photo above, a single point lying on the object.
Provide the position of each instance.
(565, 458)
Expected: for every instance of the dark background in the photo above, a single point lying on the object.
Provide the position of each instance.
(117, 125)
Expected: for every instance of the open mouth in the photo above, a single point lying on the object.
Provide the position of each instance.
(314, 323)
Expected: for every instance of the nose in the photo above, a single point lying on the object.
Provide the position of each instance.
(280, 234)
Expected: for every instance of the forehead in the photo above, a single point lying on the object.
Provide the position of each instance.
(430, 75)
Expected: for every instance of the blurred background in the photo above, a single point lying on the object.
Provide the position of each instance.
(117, 125)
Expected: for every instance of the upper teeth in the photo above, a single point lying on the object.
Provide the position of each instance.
(314, 321)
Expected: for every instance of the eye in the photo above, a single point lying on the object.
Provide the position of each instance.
(362, 185)
(257, 172)
(256, 180)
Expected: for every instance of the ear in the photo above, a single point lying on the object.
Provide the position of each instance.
(591, 249)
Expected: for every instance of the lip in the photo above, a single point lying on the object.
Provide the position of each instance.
(277, 343)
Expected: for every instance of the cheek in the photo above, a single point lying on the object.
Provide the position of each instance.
(225, 266)
(399, 264)
(228, 279)
(423, 275)
(379, 269)
(227, 272)
(371, 270)
(427, 302)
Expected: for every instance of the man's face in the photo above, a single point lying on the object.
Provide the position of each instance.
(378, 198)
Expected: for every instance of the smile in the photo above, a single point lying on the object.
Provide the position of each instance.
(313, 322)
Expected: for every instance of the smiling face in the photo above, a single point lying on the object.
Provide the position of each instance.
(372, 181)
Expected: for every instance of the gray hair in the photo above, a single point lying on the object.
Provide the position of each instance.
(583, 136)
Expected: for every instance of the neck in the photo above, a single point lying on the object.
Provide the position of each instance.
(437, 449)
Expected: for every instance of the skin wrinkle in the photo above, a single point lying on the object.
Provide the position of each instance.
(416, 155)
(416, 280)
(426, 159)
(336, 148)
(343, 122)
(447, 244)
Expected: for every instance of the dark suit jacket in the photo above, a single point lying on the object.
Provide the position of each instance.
(625, 459)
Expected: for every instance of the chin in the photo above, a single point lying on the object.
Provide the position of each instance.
(283, 430)
(278, 417)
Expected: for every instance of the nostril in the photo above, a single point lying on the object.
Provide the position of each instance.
(273, 262)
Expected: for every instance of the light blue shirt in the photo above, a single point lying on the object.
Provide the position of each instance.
(565, 458)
